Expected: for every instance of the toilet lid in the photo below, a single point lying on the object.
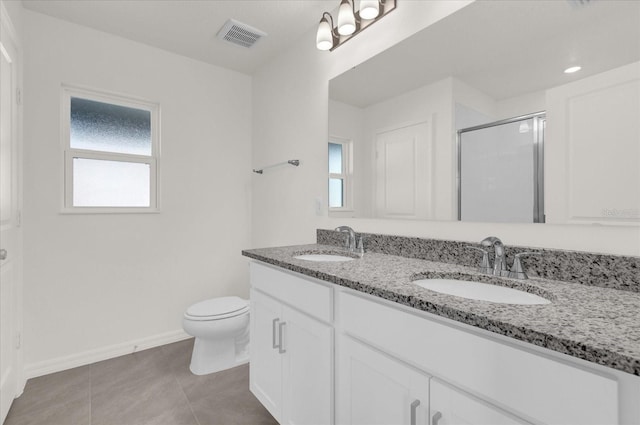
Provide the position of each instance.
(218, 307)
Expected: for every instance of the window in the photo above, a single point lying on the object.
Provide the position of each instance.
(111, 153)
(339, 170)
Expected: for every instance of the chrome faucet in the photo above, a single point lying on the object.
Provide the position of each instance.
(351, 240)
(500, 261)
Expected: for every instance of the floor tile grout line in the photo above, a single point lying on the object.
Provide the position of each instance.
(185, 397)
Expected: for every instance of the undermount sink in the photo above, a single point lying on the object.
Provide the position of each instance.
(324, 257)
(481, 291)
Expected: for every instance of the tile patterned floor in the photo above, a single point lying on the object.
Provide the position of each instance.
(151, 387)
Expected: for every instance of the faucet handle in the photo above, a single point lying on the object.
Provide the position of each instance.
(517, 271)
(485, 266)
(360, 247)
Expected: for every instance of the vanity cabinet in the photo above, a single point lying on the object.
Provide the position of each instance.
(399, 365)
(375, 389)
(291, 350)
(506, 376)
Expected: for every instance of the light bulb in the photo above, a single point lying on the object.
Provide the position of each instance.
(346, 18)
(324, 38)
(369, 9)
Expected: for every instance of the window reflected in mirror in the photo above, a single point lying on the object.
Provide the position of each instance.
(339, 171)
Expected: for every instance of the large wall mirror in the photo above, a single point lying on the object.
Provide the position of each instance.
(474, 118)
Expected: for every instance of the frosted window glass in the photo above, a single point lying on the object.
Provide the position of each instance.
(101, 183)
(104, 127)
(335, 193)
(335, 158)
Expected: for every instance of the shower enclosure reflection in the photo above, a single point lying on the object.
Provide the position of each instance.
(501, 169)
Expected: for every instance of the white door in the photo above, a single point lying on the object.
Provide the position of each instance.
(307, 370)
(375, 389)
(265, 378)
(452, 407)
(403, 170)
(10, 238)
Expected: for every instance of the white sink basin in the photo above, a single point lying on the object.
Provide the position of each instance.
(481, 291)
(323, 257)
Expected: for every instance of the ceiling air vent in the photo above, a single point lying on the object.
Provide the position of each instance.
(240, 34)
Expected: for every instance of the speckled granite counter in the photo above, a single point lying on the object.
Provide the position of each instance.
(600, 325)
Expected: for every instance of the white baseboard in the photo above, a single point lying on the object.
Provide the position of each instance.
(91, 356)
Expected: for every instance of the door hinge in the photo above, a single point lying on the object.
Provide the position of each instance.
(18, 341)
(18, 96)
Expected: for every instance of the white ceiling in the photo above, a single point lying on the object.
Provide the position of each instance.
(189, 27)
(502, 48)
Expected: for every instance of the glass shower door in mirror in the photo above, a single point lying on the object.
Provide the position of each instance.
(500, 169)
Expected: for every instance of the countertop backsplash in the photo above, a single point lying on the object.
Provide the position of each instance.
(607, 271)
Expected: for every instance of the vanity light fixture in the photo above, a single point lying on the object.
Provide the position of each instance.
(572, 69)
(350, 21)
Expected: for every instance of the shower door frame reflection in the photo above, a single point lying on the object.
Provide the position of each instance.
(539, 124)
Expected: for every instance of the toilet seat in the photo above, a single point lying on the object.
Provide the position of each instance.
(217, 309)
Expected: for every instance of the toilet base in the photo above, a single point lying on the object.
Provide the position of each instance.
(215, 356)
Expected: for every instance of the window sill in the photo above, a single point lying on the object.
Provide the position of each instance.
(96, 210)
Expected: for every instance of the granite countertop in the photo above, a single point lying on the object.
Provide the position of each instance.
(600, 325)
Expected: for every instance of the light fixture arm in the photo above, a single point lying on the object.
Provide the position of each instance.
(334, 33)
(356, 14)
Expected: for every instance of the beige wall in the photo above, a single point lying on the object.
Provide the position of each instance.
(96, 285)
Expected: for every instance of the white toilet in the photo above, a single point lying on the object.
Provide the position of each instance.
(221, 329)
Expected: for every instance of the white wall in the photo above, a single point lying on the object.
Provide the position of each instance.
(95, 285)
(521, 105)
(473, 98)
(14, 10)
(290, 100)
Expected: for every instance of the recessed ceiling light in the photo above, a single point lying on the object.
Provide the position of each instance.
(572, 69)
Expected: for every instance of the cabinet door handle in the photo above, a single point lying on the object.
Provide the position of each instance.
(436, 418)
(414, 408)
(281, 350)
(273, 333)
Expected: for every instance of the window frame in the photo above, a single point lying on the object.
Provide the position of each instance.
(345, 175)
(69, 153)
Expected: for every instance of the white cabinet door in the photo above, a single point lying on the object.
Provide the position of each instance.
(307, 373)
(291, 362)
(452, 407)
(374, 389)
(265, 378)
